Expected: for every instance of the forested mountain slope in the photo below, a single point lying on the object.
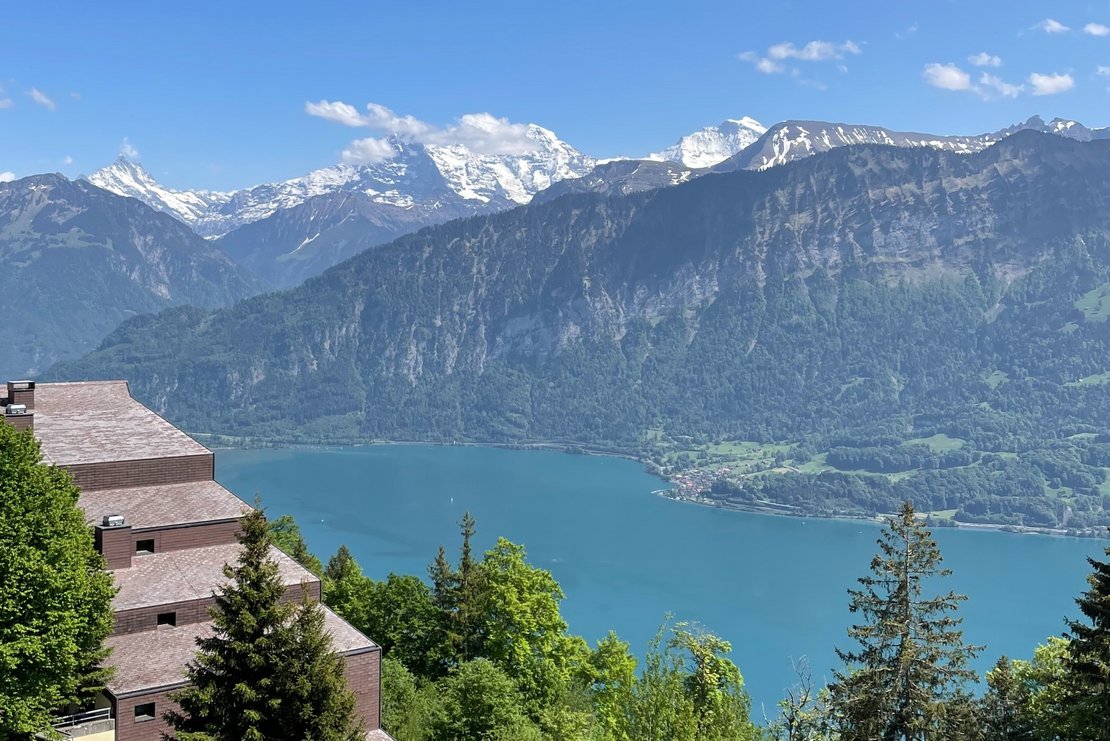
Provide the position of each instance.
(855, 307)
(78, 260)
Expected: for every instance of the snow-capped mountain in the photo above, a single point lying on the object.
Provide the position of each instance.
(792, 140)
(713, 144)
(417, 176)
(128, 178)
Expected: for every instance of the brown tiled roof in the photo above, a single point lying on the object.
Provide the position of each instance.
(98, 421)
(160, 506)
(152, 658)
(157, 658)
(195, 573)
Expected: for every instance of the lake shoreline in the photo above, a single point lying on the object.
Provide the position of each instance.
(228, 442)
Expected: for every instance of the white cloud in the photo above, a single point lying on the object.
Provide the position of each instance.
(369, 151)
(128, 150)
(768, 67)
(482, 133)
(763, 64)
(1103, 71)
(946, 76)
(814, 51)
(337, 111)
(40, 97)
(982, 59)
(1050, 84)
(67, 160)
(1096, 29)
(991, 86)
(1049, 25)
(7, 176)
(5, 103)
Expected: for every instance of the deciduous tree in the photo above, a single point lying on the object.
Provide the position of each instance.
(55, 597)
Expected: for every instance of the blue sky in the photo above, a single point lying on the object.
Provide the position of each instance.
(214, 94)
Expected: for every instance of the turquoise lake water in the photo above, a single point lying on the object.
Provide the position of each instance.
(774, 586)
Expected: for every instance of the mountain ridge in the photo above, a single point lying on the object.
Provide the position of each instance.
(78, 260)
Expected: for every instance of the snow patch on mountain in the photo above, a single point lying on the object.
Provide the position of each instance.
(713, 144)
(417, 176)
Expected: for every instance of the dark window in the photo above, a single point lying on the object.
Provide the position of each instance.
(144, 546)
(144, 711)
(167, 618)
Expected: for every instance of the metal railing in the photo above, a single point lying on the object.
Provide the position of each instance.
(68, 721)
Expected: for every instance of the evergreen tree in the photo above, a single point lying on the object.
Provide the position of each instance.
(1004, 709)
(316, 704)
(345, 589)
(459, 596)
(1088, 658)
(55, 597)
(469, 596)
(268, 670)
(911, 662)
(234, 677)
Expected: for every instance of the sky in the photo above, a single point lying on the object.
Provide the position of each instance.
(221, 95)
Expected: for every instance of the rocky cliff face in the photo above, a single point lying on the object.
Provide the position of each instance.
(78, 260)
(683, 304)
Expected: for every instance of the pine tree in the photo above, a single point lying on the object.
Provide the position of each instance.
(316, 704)
(234, 677)
(55, 597)
(346, 590)
(1088, 658)
(911, 662)
(1004, 709)
(268, 671)
(469, 596)
(459, 596)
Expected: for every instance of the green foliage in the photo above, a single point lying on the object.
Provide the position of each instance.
(911, 664)
(268, 671)
(525, 635)
(1088, 657)
(286, 535)
(55, 597)
(1005, 709)
(316, 703)
(479, 702)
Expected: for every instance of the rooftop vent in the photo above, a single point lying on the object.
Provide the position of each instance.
(112, 521)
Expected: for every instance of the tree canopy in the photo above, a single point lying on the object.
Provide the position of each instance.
(55, 597)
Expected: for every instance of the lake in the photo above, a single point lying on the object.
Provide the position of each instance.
(774, 586)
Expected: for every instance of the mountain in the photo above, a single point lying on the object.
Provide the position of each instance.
(791, 140)
(79, 260)
(713, 144)
(337, 225)
(898, 322)
(620, 177)
(419, 177)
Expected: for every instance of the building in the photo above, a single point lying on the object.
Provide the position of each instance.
(166, 528)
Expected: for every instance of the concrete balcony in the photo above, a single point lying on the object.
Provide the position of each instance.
(95, 725)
